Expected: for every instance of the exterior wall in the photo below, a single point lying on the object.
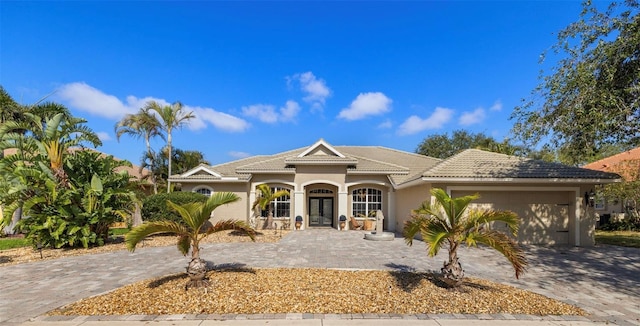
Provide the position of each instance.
(550, 214)
(237, 211)
(408, 199)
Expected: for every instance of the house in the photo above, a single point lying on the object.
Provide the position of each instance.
(627, 165)
(327, 181)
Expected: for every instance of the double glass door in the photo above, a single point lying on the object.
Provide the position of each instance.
(320, 211)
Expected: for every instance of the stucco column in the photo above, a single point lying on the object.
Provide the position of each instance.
(298, 203)
(581, 209)
(343, 209)
(391, 215)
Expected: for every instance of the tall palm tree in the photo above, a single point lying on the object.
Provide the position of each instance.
(265, 197)
(448, 223)
(194, 216)
(172, 116)
(142, 124)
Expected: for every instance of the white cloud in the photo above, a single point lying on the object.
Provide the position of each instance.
(289, 111)
(497, 106)
(385, 125)
(366, 104)
(103, 136)
(219, 120)
(316, 89)
(415, 124)
(470, 118)
(91, 100)
(238, 155)
(86, 98)
(267, 113)
(263, 112)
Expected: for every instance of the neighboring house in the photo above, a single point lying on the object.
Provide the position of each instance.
(627, 165)
(328, 181)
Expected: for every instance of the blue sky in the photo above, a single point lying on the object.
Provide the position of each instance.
(265, 77)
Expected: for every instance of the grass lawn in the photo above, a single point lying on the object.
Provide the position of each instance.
(619, 238)
(118, 231)
(9, 243)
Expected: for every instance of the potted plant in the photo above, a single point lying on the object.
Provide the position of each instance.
(343, 222)
(298, 222)
(368, 222)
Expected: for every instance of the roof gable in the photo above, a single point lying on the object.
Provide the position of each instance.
(201, 169)
(321, 147)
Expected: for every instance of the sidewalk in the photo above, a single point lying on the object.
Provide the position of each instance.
(604, 281)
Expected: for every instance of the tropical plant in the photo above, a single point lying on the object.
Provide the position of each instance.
(183, 160)
(154, 207)
(142, 124)
(50, 138)
(79, 214)
(264, 199)
(173, 117)
(448, 223)
(194, 215)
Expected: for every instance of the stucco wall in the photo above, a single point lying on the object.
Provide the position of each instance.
(408, 199)
(238, 210)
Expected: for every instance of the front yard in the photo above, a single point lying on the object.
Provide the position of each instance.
(618, 238)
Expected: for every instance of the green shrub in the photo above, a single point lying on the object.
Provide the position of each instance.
(155, 208)
(624, 225)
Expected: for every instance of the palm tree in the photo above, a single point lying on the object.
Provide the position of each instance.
(194, 215)
(173, 116)
(264, 200)
(142, 124)
(447, 222)
(49, 137)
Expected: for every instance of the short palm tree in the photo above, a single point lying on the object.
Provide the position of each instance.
(194, 215)
(448, 223)
(264, 200)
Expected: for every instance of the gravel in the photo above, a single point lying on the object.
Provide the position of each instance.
(287, 290)
(321, 291)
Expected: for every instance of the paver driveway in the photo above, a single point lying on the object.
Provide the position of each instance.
(603, 280)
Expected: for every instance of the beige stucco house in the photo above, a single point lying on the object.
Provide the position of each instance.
(326, 182)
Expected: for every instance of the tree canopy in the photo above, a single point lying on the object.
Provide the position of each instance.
(590, 98)
(445, 145)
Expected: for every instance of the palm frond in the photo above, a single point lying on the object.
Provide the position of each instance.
(232, 225)
(138, 233)
(412, 228)
(504, 244)
(184, 244)
(189, 212)
(481, 218)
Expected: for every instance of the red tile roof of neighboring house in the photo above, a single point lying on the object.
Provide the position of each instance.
(627, 164)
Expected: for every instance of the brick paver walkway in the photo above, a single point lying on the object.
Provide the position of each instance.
(603, 280)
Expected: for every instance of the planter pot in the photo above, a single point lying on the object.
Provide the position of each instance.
(369, 225)
(298, 225)
(342, 224)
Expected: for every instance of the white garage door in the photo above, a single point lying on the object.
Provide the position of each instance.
(544, 214)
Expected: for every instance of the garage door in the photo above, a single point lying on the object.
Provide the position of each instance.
(544, 214)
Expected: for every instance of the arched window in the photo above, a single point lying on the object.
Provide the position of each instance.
(366, 201)
(204, 191)
(281, 206)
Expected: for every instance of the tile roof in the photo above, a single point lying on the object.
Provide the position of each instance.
(402, 167)
(474, 163)
(626, 164)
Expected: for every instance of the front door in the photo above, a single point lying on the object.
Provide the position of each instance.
(320, 211)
